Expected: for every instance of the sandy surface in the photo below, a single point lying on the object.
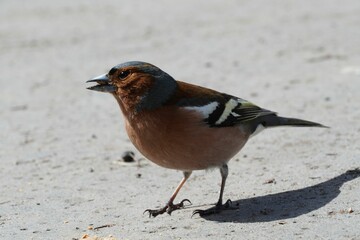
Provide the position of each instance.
(61, 175)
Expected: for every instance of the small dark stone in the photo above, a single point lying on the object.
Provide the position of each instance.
(128, 156)
(19, 108)
(208, 64)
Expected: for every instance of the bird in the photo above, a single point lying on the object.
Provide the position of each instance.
(182, 126)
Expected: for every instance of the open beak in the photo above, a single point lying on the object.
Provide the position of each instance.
(103, 84)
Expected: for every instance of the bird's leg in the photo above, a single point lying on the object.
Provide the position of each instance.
(224, 171)
(170, 206)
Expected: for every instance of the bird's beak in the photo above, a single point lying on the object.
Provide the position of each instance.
(104, 84)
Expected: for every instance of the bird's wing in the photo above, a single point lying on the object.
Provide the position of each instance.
(218, 109)
(233, 111)
(246, 111)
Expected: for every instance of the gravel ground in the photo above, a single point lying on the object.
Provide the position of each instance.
(62, 176)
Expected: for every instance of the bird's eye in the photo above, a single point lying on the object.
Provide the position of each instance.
(124, 74)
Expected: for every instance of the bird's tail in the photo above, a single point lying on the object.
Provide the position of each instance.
(274, 121)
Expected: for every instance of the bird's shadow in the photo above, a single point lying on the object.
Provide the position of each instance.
(285, 205)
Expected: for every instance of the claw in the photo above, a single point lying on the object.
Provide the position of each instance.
(154, 213)
(206, 212)
(147, 210)
(196, 212)
(228, 203)
(185, 200)
(214, 210)
(169, 208)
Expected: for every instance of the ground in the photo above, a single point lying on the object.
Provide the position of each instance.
(62, 176)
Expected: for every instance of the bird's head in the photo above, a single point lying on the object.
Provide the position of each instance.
(136, 85)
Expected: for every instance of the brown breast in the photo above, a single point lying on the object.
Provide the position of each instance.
(177, 138)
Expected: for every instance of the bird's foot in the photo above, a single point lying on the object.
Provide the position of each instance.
(219, 207)
(169, 208)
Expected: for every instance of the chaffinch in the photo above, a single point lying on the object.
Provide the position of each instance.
(182, 126)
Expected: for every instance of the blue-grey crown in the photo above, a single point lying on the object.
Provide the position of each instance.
(142, 66)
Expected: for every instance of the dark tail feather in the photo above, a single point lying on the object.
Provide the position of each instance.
(273, 121)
